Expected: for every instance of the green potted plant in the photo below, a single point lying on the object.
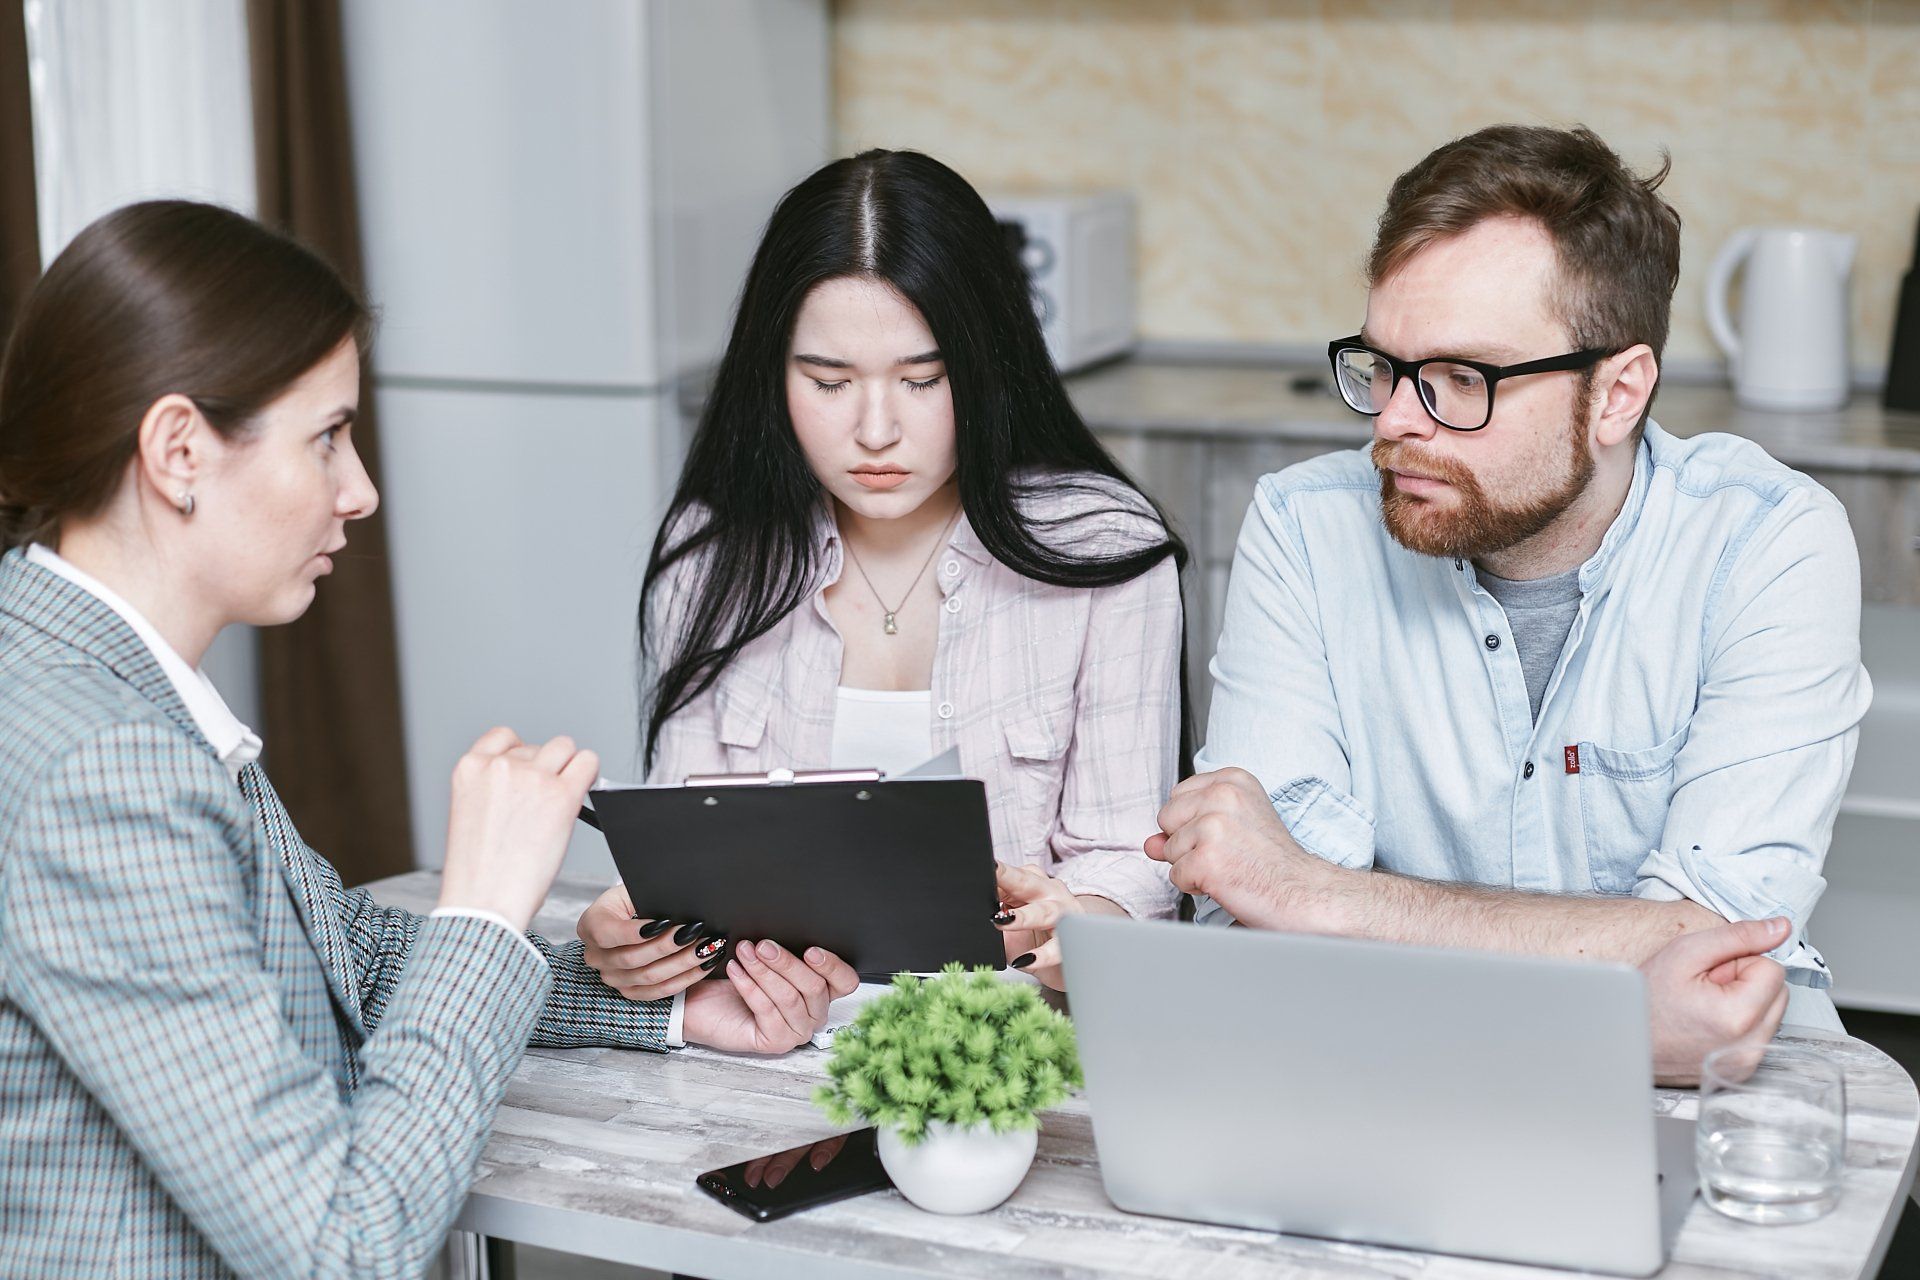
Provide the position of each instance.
(954, 1072)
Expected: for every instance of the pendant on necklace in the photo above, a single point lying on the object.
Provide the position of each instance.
(889, 627)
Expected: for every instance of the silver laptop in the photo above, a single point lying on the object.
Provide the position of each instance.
(1451, 1101)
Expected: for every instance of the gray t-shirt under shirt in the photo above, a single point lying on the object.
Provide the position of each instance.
(1541, 613)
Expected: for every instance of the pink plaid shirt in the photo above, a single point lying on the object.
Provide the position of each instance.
(1064, 701)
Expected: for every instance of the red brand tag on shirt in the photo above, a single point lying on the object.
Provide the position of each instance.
(1573, 759)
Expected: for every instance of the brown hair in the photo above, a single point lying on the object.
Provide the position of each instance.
(152, 299)
(1617, 241)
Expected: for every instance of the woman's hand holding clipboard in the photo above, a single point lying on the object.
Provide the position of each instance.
(890, 874)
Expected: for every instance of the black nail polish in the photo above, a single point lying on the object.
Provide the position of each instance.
(654, 928)
(1005, 917)
(711, 947)
(688, 932)
(1021, 962)
(708, 966)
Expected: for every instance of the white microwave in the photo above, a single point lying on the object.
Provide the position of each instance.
(1078, 252)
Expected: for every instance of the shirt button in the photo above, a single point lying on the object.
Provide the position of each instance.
(951, 567)
(1528, 771)
(953, 604)
(946, 710)
(1493, 642)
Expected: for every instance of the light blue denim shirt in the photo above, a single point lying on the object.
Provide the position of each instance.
(1695, 737)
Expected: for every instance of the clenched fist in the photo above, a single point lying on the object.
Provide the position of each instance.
(1220, 837)
(513, 809)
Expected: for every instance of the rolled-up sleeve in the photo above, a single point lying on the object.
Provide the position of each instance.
(1274, 711)
(1758, 782)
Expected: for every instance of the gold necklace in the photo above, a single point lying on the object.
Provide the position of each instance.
(889, 625)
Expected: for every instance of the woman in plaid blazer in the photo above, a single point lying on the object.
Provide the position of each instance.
(214, 1059)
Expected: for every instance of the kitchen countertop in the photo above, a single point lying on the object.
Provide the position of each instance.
(1167, 397)
(594, 1152)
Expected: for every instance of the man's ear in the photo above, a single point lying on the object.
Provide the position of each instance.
(1625, 382)
(172, 448)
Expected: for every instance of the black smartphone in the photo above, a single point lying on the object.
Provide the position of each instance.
(773, 1186)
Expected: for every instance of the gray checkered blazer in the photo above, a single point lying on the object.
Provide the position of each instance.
(213, 1058)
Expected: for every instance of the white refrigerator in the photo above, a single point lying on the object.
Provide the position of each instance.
(558, 204)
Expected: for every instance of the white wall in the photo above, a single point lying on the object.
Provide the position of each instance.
(136, 100)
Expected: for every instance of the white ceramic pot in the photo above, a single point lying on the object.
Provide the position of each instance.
(958, 1170)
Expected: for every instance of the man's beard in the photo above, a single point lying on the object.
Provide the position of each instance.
(1476, 525)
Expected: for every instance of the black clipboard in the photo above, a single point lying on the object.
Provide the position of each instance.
(888, 875)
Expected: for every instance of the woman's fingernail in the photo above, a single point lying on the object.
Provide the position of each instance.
(1021, 962)
(816, 956)
(769, 950)
(688, 932)
(708, 966)
(1004, 917)
(711, 947)
(654, 928)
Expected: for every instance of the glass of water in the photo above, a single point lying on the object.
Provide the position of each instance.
(1771, 1142)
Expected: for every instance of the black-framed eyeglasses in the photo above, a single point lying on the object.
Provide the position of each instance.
(1457, 393)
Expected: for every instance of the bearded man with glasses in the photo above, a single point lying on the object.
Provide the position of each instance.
(1532, 674)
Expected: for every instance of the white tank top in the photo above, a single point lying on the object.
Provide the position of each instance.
(886, 729)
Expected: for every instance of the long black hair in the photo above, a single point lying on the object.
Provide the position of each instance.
(747, 502)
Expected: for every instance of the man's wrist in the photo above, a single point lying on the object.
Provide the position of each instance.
(1310, 895)
(1333, 900)
(1298, 895)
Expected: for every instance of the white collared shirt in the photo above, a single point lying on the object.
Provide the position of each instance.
(235, 744)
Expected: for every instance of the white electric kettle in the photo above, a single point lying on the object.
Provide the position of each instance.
(1790, 351)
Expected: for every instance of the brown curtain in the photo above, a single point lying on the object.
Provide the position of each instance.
(329, 683)
(19, 221)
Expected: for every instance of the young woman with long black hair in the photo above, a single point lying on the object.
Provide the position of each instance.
(895, 535)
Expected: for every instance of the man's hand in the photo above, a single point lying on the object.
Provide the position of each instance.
(1221, 837)
(772, 1000)
(1712, 988)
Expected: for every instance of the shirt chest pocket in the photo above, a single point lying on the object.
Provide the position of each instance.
(1039, 736)
(1624, 797)
(1037, 739)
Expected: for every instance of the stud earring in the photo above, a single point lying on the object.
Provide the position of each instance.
(186, 503)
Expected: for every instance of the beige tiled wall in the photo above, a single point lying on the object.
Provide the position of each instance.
(1259, 136)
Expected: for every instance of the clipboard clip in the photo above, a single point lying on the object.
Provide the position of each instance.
(771, 778)
(783, 777)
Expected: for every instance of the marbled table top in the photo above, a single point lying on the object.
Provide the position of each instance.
(1178, 397)
(595, 1151)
